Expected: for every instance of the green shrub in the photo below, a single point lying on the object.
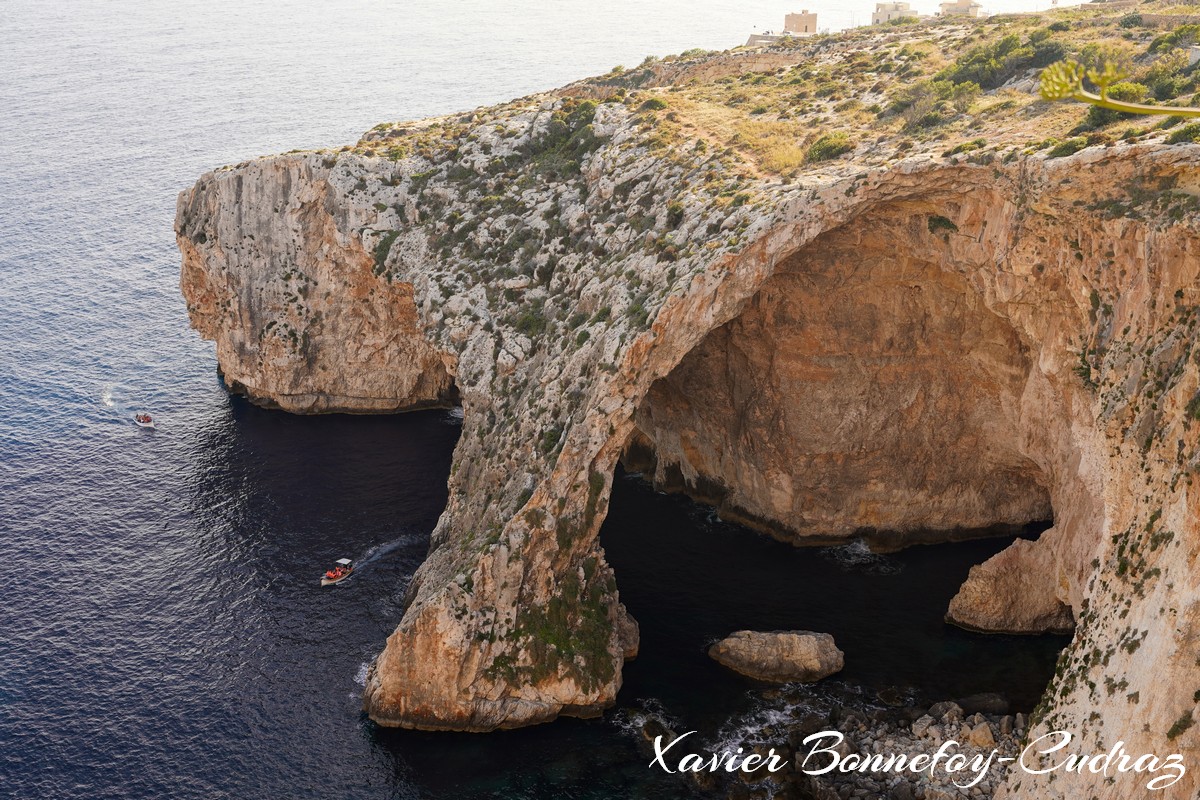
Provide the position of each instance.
(1193, 407)
(675, 214)
(931, 103)
(963, 95)
(1170, 87)
(937, 223)
(1067, 148)
(831, 145)
(568, 138)
(637, 311)
(1182, 724)
(531, 322)
(1131, 21)
(653, 104)
(991, 65)
(550, 438)
(1182, 36)
(382, 248)
(1186, 134)
(966, 147)
(1125, 91)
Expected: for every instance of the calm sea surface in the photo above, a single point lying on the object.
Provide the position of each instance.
(161, 630)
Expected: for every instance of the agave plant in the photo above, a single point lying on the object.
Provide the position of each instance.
(1064, 81)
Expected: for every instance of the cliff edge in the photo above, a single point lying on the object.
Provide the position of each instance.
(900, 327)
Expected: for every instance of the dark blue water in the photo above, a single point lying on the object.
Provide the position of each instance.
(162, 633)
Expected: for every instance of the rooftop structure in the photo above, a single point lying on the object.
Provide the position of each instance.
(886, 12)
(802, 24)
(962, 8)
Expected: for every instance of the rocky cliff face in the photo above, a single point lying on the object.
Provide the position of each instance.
(897, 344)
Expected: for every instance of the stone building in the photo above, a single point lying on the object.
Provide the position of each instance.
(963, 8)
(886, 12)
(802, 24)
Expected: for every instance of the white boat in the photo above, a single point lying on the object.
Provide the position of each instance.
(343, 569)
(143, 420)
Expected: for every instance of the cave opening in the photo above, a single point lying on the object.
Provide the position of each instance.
(865, 399)
(690, 578)
(861, 391)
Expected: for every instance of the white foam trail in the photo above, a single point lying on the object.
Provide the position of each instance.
(106, 397)
(380, 550)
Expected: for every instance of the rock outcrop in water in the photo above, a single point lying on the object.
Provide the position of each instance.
(779, 656)
(907, 336)
(1003, 595)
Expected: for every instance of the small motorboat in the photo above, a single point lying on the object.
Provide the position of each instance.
(143, 420)
(342, 569)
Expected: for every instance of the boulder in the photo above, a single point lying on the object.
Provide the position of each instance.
(779, 656)
(921, 725)
(981, 736)
(947, 711)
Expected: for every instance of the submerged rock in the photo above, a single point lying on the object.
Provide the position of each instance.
(985, 703)
(779, 656)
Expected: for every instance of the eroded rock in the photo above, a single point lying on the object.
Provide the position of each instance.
(1014, 591)
(779, 656)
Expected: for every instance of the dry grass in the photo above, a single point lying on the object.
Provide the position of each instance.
(774, 146)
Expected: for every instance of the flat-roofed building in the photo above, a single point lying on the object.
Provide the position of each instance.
(886, 12)
(804, 23)
(962, 8)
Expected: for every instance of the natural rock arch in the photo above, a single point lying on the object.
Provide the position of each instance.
(957, 265)
(515, 618)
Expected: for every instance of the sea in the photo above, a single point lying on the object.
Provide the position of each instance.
(162, 630)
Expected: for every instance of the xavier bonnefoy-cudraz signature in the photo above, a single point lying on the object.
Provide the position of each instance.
(821, 755)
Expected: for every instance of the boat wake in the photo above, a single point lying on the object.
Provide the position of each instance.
(377, 552)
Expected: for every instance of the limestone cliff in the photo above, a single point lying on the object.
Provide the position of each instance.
(903, 336)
